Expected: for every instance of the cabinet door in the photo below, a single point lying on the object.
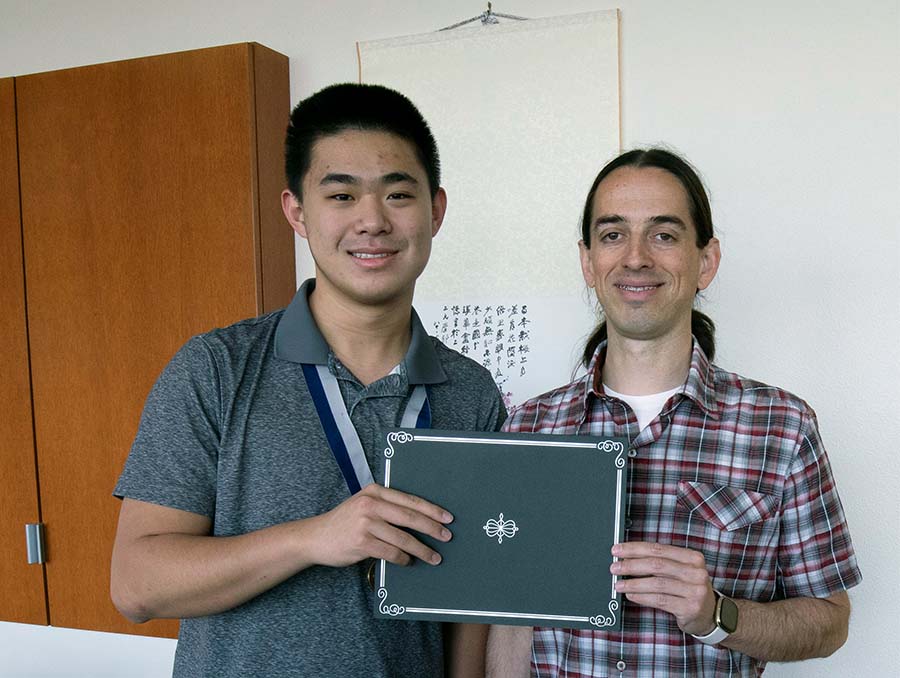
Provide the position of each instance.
(141, 221)
(22, 596)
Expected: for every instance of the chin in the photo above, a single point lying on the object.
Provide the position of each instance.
(380, 296)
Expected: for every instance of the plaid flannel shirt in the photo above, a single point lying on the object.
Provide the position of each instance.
(730, 467)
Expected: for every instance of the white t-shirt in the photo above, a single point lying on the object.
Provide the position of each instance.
(645, 407)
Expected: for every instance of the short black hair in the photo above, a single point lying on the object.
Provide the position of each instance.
(350, 106)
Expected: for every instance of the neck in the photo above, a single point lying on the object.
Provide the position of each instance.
(370, 341)
(640, 367)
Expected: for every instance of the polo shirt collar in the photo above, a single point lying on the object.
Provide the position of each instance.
(298, 340)
(700, 385)
(422, 364)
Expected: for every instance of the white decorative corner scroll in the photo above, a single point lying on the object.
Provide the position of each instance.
(613, 446)
(500, 528)
(393, 609)
(398, 437)
(602, 620)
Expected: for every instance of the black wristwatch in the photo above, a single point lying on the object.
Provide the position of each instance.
(726, 621)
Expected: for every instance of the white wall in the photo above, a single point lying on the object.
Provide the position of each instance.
(791, 112)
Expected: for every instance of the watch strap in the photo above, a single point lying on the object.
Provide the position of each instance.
(718, 634)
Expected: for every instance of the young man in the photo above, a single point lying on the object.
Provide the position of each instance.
(249, 509)
(736, 549)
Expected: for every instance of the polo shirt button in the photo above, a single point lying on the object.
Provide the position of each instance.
(628, 523)
(632, 452)
(620, 665)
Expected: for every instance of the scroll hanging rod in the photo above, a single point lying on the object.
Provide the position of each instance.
(487, 17)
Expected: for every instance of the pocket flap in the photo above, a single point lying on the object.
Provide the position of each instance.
(728, 508)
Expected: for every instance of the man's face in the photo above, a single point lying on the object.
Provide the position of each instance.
(368, 216)
(643, 262)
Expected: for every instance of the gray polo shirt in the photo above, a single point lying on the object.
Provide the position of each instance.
(229, 431)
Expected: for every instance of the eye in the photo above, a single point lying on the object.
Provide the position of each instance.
(340, 197)
(665, 237)
(400, 195)
(610, 236)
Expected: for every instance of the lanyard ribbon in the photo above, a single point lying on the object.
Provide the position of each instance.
(340, 431)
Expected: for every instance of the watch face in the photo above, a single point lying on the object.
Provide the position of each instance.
(728, 615)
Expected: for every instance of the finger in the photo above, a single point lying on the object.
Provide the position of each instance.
(659, 601)
(655, 566)
(391, 538)
(383, 551)
(371, 506)
(403, 516)
(644, 549)
(657, 585)
(410, 501)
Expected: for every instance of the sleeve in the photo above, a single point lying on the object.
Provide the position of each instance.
(495, 409)
(517, 416)
(815, 555)
(173, 459)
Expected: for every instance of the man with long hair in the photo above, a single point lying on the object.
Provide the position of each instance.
(736, 550)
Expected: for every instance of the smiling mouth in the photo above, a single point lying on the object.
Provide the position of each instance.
(637, 288)
(369, 255)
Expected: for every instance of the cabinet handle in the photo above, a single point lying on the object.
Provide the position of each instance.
(34, 543)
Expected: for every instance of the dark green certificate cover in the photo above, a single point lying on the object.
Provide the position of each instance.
(535, 517)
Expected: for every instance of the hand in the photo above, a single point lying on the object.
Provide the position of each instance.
(367, 525)
(668, 578)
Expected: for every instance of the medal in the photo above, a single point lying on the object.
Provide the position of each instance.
(370, 575)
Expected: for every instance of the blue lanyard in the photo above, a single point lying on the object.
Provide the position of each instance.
(341, 433)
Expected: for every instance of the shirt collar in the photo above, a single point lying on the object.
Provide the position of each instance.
(298, 340)
(701, 382)
(699, 386)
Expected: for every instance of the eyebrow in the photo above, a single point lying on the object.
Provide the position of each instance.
(334, 178)
(386, 179)
(609, 219)
(668, 219)
(655, 220)
(398, 178)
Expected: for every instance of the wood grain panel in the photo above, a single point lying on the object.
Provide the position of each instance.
(273, 107)
(22, 597)
(139, 204)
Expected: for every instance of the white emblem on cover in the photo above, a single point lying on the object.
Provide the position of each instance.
(500, 528)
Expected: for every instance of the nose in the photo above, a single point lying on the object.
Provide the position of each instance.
(371, 216)
(637, 255)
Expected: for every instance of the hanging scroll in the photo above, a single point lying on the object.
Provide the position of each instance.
(524, 114)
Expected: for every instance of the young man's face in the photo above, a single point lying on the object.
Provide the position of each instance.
(368, 216)
(643, 262)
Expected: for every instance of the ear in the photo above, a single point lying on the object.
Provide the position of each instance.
(710, 256)
(438, 210)
(293, 212)
(586, 269)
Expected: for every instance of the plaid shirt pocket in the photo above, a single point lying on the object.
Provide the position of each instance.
(728, 508)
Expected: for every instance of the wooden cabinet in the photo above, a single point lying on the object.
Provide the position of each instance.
(21, 585)
(150, 211)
